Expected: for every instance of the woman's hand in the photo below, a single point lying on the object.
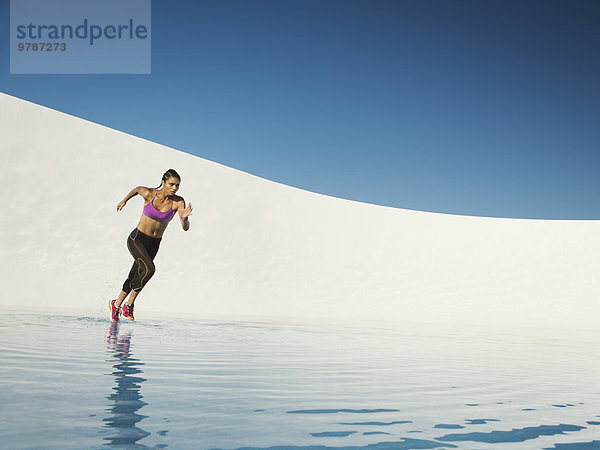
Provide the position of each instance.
(121, 205)
(186, 212)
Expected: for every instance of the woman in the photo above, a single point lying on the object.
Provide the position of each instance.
(160, 206)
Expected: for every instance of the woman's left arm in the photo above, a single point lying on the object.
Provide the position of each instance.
(184, 214)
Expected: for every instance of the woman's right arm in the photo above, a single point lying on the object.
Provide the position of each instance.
(141, 190)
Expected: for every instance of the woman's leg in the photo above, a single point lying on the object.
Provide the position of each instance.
(143, 249)
(126, 290)
(132, 297)
(121, 297)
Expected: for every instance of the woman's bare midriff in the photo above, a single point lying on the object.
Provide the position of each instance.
(151, 227)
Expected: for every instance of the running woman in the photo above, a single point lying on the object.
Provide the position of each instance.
(160, 206)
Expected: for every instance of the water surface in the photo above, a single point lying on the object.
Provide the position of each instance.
(83, 382)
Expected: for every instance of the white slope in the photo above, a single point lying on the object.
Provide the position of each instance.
(259, 248)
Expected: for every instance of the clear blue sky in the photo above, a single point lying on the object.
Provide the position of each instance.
(472, 107)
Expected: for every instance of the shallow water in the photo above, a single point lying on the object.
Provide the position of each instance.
(83, 382)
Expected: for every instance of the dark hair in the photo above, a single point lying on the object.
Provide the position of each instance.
(168, 174)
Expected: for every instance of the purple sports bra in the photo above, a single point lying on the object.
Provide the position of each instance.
(153, 213)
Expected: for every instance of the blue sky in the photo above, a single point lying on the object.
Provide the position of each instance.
(472, 107)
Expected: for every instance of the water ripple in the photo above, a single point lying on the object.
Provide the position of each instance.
(336, 411)
(514, 435)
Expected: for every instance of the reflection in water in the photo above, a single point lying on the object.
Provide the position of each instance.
(126, 398)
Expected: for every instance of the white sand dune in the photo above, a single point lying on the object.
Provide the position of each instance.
(259, 248)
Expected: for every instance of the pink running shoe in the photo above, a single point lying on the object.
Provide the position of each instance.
(127, 311)
(114, 311)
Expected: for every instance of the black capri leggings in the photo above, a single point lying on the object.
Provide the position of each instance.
(143, 248)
